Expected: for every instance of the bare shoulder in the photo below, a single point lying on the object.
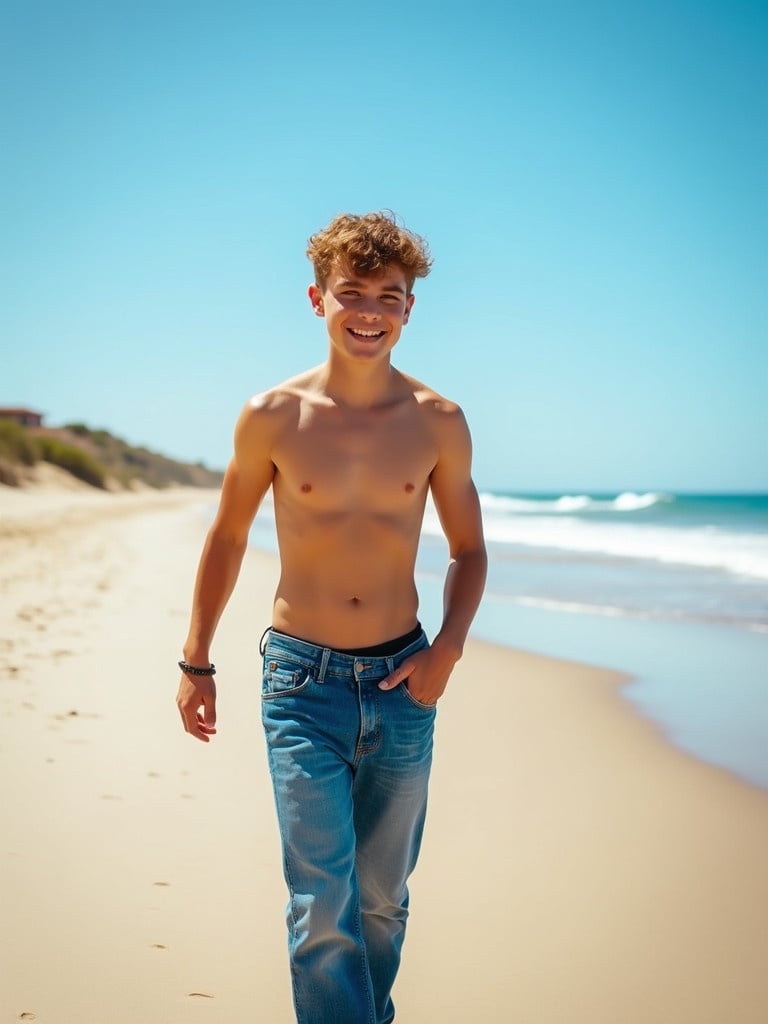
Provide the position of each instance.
(270, 411)
(276, 400)
(444, 416)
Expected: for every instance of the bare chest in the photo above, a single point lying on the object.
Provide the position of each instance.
(333, 459)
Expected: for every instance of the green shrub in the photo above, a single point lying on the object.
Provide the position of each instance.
(76, 461)
(16, 444)
(79, 429)
(101, 438)
(94, 456)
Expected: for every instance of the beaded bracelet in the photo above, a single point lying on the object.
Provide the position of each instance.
(194, 670)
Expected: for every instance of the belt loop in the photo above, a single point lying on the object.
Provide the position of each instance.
(390, 665)
(324, 664)
(262, 645)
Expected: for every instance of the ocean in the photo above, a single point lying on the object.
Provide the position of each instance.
(671, 589)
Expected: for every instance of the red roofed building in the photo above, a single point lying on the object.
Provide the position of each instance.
(25, 417)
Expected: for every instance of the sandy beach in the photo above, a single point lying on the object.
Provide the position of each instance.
(576, 868)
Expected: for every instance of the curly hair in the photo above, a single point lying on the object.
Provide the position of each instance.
(368, 243)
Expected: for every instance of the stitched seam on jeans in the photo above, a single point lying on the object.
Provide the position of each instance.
(365, 974)
(277, 653)
(287, 870)
(292, 692)
(417, 703)
(362, 751)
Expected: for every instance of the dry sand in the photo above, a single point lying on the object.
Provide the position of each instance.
(576, 869)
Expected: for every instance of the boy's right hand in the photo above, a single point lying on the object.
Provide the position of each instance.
(197, 704)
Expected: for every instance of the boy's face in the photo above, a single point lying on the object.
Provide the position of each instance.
(364, 314)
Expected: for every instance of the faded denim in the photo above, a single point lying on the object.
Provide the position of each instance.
(350, 767)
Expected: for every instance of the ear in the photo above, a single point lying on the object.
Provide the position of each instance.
(316, 298)
(408, 307)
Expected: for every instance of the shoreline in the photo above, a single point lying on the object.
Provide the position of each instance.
(676, 668)
(576, 868)
(665, 691)
(700, 685)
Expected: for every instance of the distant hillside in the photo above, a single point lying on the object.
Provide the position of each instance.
(94, 456)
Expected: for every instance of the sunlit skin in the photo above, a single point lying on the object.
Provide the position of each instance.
(351, 304)
(351, 448)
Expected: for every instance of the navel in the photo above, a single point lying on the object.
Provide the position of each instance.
(306, 488)
(354, 601)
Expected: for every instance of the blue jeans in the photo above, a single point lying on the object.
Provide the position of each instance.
(350, 766)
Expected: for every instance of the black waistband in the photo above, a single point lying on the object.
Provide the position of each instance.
(383, 650)
(388, 648)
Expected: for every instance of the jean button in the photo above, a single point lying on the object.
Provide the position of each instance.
(359, 666)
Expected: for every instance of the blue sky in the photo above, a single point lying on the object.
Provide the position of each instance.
(592, 178)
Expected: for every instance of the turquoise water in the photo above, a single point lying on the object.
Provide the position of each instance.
(669, 589)
(654, 556)
(706, 687)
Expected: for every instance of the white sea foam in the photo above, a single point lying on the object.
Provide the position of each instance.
(743, 554)
(569, 503)
(631, 502)
(579, 607)
(628, 501)
(613, 612)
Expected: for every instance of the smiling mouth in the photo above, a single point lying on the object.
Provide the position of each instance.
(366, 335)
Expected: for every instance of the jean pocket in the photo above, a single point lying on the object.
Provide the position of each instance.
(403, 688)
(283, 678)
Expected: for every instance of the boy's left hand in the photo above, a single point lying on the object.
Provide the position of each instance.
(425, 673)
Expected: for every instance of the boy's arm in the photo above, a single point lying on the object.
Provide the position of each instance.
(246, 481)
(458, 506)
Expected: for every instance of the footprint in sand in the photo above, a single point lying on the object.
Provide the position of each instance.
(199, 995)
(28, 614)
(158, 945)
(161, 883)
(27, 1016)
(76, 714)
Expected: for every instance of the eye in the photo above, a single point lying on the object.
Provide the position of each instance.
(350, 294)
(390, 298)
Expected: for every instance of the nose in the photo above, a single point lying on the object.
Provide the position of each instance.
(369, 310)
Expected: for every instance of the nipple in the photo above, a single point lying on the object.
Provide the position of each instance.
(409, 487)
(306, 488)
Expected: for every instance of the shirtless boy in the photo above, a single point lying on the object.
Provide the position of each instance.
(350, 449)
